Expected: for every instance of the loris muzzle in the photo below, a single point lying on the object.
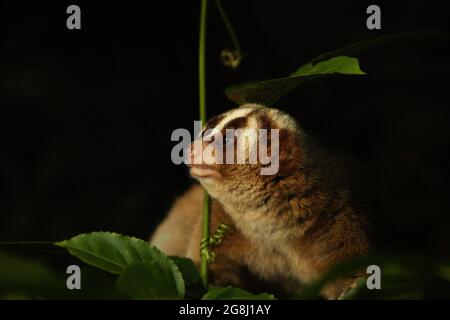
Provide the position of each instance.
(288, 227)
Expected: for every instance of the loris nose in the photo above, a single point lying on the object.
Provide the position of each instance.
(194, 153)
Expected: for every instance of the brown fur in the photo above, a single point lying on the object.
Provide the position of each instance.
(288, 228)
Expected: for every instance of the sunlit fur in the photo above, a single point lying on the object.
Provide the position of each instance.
(288, 228)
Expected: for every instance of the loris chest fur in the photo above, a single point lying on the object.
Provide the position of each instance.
(287, 228)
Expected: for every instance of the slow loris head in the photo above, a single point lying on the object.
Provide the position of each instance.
(241, 153)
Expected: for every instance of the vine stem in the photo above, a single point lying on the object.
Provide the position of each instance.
(229, 27)
(202, 105)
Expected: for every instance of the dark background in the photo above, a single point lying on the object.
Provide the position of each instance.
(86, 115)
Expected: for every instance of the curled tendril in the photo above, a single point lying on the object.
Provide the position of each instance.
(215, 239)
(231, 58)
(205, 250)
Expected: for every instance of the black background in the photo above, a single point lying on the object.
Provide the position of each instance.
(86, 115)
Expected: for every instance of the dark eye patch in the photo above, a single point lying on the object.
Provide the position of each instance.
(234, 124)
(265, 122)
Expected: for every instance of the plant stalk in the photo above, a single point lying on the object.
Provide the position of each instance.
(229, 27)
(202, 105)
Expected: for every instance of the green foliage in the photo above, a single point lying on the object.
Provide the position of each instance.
(146, 281)
(342, 65)
(188, 270)
(269, 91)
(114, 253)
(207, 244)
(403, 277)
(330, 63)
(25, 279)
(144, 272)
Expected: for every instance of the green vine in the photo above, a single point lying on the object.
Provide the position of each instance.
(202, 106)
(214, 240)
(230, 58)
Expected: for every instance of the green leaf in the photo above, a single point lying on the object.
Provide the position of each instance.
(267, 92)
(147, 281)
(113, 252)
(232, 293)
(40, 276)
(342, 65)
(402, 277)
(22, 278)
(188, 270)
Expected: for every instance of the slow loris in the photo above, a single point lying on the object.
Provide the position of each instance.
(287, 228)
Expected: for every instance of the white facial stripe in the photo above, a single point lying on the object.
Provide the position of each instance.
(209, 133)
(253, 124)
(237, 113)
